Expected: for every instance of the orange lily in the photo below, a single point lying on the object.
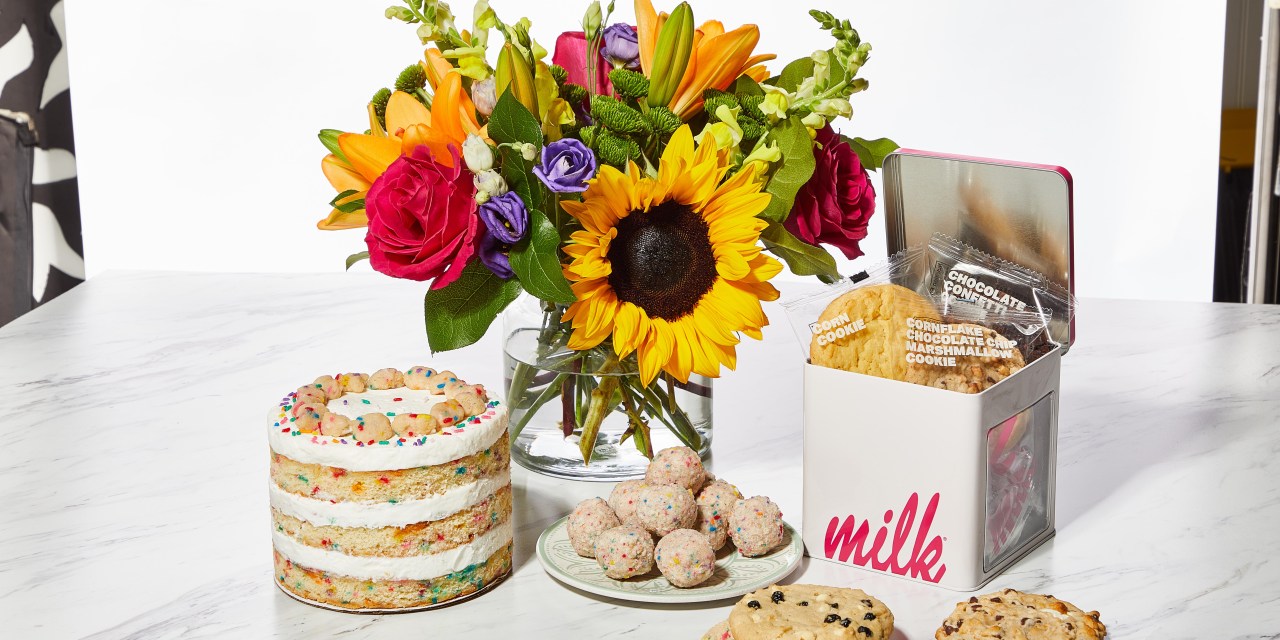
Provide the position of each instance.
(409, 125)
(718, 59)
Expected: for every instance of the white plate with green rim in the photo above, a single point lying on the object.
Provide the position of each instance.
(735, 576)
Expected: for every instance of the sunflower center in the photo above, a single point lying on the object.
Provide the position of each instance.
(662, 260)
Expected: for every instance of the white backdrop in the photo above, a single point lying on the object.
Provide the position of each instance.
(196, 121)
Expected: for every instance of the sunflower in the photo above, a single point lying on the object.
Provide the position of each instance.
(671, 266)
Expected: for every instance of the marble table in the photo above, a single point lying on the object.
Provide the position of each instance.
(133, 465)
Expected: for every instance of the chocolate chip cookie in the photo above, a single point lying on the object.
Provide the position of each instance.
(812, 612)
(1013, 614)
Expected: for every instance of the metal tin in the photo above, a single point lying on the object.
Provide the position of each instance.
(1015, 211)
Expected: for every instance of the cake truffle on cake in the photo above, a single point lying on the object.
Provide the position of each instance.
(388, 497)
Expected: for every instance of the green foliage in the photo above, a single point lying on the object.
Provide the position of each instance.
(712, 99)
(460, 314)
(752, 129)
(536, 261)
(751, 107)
(795, 73)
(587, 135)
(629, 84)
(329, 138)
(356, 257)
(745, 86)
(573, 93)
(793, 171)
(664, 121)
(511, 122)
(614, 150)
(379, 101)
(801, 257)
(411, 79)
(872, 152)
(614, 115)
(559, 74)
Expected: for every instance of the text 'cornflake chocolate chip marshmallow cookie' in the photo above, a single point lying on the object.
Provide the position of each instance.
(810, 611)
(865, 330)
(389, 491)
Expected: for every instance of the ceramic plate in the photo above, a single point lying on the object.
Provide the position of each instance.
(735, 575)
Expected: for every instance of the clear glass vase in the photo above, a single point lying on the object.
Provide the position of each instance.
(559, 397)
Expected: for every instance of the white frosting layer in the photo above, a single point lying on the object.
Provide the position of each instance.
(407, 453)
(373, 515)
(381, 568)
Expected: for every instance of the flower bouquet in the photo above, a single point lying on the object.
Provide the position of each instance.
(641, 186)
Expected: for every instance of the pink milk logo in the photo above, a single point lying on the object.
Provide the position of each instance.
(845, 539)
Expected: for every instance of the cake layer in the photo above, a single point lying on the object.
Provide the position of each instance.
(419, 567)
(340, 484)
(419, 538)
(475, 434)
(384, 513)
(357, 594)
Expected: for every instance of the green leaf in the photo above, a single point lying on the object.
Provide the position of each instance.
(518, 173)
(803, 258)
(350, 207)
(511, 122)
(795, 73)
(356, 257)
(459, 314)
(536, 261)
(329, 138)
(872, 152)
(345, 194)
(744, 85)
(794, 171)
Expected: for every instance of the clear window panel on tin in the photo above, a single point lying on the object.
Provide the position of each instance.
(1018, 460)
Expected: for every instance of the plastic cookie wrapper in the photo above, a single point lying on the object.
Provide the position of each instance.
(1016, 480)
(806, 313)
(956, 270)
(1027, 331)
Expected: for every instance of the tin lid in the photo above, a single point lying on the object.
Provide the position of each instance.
(1015, 211)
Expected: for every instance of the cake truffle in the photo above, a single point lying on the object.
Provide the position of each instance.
(756, 526)
(685, 558)
(624, 552)
(679, 466)
(589, 519)
(665, 508)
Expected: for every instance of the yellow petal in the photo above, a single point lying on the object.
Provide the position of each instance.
(369, 155)
(337, 220)
(341, 175)
(403, 111)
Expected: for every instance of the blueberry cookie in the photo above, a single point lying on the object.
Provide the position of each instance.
(1013, 614)
(810, 611)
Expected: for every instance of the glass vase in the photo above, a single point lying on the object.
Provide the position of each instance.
(566, 406)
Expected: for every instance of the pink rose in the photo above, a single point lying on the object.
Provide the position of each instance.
(834, 207)
(422, 219)
(571, 53)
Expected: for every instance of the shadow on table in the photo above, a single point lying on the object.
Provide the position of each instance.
(1105, 442)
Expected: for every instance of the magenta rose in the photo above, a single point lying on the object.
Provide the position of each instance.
(834, 207)
(422, 219)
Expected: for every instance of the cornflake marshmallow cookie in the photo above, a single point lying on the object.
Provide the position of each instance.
(867, 330)
(624, 552)
(625, 498)
(679, 466)
(685, 558)
(715, 504)
(756, 526)
(665, 508)
(588, 520)
(971, 373)
(1013, 614)
(718, 632)
(810, 611)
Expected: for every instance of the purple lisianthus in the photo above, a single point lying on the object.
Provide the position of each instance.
(621, 46)
(566, 166)
(505, 220)
(506, 217)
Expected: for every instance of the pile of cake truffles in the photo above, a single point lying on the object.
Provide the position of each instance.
(689, 513)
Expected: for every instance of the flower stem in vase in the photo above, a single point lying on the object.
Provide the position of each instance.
(638, 429)
(601, 405)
